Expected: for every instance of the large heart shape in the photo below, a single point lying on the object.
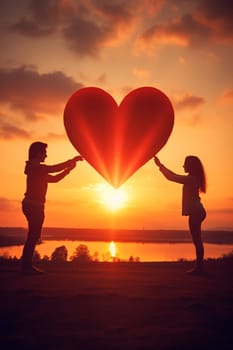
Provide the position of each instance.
(117, 141)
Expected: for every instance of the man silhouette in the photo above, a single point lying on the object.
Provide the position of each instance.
(38, 177)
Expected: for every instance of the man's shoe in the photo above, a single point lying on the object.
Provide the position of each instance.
(32, 270)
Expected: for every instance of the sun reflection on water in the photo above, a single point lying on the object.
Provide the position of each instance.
(113, 249)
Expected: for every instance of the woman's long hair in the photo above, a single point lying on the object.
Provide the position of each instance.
(194, 167)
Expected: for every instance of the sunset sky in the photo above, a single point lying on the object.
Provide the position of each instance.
(49, 49)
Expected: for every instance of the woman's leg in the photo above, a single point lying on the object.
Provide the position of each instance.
(35, 217)
(195, 222)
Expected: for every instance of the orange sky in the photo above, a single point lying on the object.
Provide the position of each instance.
(50, 49)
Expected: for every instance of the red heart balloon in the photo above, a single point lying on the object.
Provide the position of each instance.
(117, 141)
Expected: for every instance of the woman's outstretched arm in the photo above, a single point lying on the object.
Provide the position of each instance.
(171, 176)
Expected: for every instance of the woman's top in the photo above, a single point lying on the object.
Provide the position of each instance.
(191, 202)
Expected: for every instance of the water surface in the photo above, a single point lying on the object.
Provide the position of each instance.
(143, 251)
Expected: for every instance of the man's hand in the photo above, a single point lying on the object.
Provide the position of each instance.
(78, 158)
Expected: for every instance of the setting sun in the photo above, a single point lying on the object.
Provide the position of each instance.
(112, 198)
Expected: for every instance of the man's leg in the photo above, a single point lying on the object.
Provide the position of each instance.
(35, 217)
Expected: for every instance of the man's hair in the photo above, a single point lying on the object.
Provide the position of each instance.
(36, 148)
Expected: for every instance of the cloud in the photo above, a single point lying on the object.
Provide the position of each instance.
(210, 21)
(54, 136)
(9, 131)
(188, 101)
(86, 26)
(102, 79)
(24, 89)
(7, 205)
(179, 31)
(226, 211)
(89, 26)
(217, 15)
(32, 29)
(96, 25)
(141, 73)
(43, 17)
(226, 97)
(85, 37)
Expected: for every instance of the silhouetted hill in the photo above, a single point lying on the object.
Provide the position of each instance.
(17, 235)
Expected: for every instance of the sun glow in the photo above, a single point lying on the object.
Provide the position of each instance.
(112, 198)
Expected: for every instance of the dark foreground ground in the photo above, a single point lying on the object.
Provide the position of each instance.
(108, 306)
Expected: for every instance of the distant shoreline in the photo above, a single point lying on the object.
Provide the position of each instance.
(16, 235)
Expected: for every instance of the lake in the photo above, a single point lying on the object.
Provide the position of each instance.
(109, 251)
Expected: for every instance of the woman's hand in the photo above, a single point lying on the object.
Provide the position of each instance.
(157, 161)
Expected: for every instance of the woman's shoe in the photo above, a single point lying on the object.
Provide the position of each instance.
(195, 271)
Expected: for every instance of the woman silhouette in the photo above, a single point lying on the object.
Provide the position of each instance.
(193, 183)
(38, 177)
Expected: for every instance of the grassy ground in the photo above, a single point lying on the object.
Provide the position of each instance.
(121, 306)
